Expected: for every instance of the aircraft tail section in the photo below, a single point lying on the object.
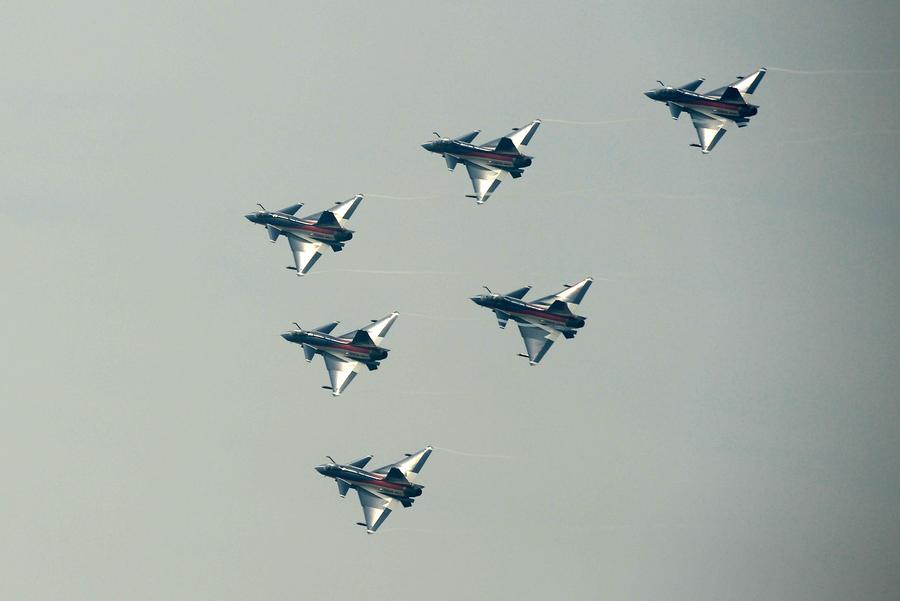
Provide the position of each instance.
(733, 96)
(395, 475)
(362, 338)
(571, 294)
(506, 146)
(410, 466)
(327, 219)
(559, 308)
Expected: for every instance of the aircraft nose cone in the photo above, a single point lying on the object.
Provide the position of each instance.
(288, 336)
(320, 469)
(250, 217)
(650, 94)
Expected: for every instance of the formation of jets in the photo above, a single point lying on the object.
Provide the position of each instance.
(540, 321)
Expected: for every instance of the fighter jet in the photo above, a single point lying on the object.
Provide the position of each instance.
(713, 111)
(308, 235)
(487, 164)
(540, 321)
(346, 354)
(382, 490)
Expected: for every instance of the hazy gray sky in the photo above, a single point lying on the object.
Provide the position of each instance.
(725, 427)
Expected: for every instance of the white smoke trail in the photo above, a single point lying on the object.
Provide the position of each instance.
(391, 197)
(382, 272)
(382, 531)
(833, 71)
(883, 132)
(606, 122)
(441, 318)
(483, 455)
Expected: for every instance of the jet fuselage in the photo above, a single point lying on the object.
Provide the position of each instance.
(337, 346)
(530, 312)
(306, 228)
(705, 104)
(488, 156)
(379, 483)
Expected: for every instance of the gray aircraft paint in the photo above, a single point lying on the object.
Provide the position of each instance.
(725, 425)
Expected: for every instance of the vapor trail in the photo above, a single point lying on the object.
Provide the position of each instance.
(437, 318)
(473, 454)
(410, 530)
(883, 132)
(430, 197)
(833, 71)
(383, 272)
(607, 122)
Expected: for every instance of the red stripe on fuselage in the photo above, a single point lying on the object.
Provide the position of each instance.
(543, 314)
(493, 156)
(316, 229)
(725, 106)
(379, 481)
(348, 347)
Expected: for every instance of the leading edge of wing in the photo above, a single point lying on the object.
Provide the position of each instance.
(537, 341)
(375, 509)
(305, 253)
(410, 466)
(485, 180)
(709, 129)
(340, 371)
